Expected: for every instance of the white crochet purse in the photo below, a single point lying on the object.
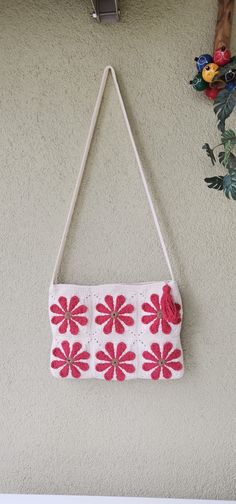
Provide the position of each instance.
(115, 331)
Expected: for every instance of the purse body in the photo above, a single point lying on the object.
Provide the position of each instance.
(116, 331)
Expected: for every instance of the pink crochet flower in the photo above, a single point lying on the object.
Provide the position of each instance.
(164, 312)
(162, 362)
(69, 315)
(114, 314)
(70, 360)
(115, 361)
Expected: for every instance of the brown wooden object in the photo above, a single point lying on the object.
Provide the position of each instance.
(224, 24)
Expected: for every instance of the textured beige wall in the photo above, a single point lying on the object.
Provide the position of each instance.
(139, 438)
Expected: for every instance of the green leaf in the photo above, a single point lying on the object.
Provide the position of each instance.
(229, 185)
(209, 152)
(223, 106)
(228, 139)
(221, 156)
(215, 182)
(228, 146)
(231, 164)
(228, 135)
(232, 61)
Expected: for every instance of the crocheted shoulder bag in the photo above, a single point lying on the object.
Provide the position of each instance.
(116, 331)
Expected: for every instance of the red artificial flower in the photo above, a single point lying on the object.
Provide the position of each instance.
(162, 362)
(70, 359)
(115, 314)
(71, 314)
(164, 312)
(115, 361)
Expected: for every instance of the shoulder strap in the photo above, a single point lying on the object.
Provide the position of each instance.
(83, 164)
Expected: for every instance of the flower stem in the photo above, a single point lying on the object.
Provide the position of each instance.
(217, 145)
